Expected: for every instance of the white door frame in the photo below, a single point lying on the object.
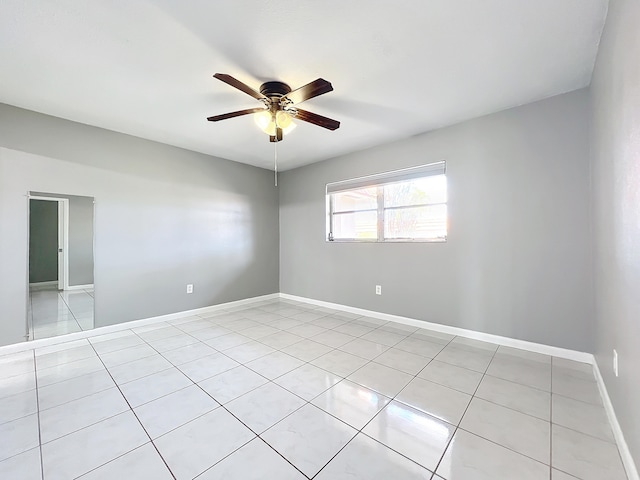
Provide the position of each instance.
(63, 238)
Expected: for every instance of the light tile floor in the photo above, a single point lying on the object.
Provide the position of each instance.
(52, 312)
(283, 390)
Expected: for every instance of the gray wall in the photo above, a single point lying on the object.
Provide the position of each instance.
(517, 261)
(615, 97)
(43, 241)
(80, 237)
(164, 217)
(80, 240)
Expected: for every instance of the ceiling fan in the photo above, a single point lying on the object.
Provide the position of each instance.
(279, 108)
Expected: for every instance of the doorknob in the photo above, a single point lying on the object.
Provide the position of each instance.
(59, 250)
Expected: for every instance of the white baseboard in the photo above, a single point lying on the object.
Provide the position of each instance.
(487, 337)
(462, 332)
(44, 284)
(627, 459)
(625, 454)
(79, 287)
(45, 342)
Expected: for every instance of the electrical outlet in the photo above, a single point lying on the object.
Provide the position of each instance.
(378, 289)
(190, 288)
(615, 362)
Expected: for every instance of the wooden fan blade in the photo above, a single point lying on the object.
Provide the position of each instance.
(317, 119)
(310, 90)
(277, 137)
(224, 116)
(234, 82)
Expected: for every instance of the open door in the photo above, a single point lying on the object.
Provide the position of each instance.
(62, 243)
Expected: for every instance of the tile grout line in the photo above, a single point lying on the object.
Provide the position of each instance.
(71, 312)
(257, 435)
(523, 413)
(277, 349)
(204, 391)
(369, 360)
(307, 402)
(57, 321)
(272, 381)
(457, 427)
(302, 323)
(240, 364)
(379, 327)
(30, 327)
(377, 413)
(199, 341)
(444, 451)
(551, 423)
(136, 416)
(35, 374)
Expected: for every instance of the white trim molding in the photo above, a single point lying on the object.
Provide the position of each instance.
(462, 332)
(63, 206)
(79, 287)
(45, 342)
(584, 357)
(625, 453)
(44, 284)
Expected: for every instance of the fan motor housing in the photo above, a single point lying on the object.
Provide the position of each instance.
(274, 89)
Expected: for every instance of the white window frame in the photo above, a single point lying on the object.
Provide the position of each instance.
(379, 181)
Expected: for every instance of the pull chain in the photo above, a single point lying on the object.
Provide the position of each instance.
(275, 159)
(275, 152)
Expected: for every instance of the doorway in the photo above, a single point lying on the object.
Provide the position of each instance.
(47, 237)
(61, 290)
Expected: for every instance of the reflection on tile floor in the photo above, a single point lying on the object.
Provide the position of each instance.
(285, 390)
(52, 312)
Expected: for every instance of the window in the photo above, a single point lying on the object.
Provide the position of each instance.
(404, 205)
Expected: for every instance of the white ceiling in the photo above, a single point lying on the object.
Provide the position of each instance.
(398, 68)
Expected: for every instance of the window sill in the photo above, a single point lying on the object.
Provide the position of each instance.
(394, 240)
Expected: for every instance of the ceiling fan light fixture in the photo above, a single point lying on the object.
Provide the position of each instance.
(271, 129)
(267, 122)
(283, 119)
(263, 119)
